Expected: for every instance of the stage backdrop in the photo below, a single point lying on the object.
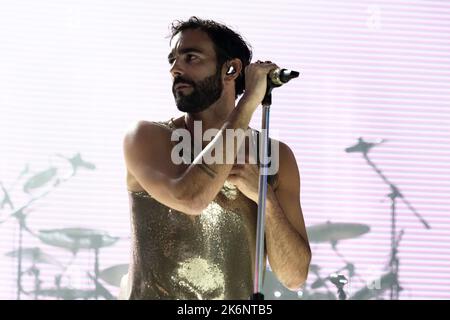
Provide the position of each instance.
(74, 75)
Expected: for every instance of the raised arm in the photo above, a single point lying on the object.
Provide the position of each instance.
(190, 188)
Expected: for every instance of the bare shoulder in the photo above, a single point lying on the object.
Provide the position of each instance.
(143, 130)
(288, 171)
(286, 154)
(287, 163)
(146, 146)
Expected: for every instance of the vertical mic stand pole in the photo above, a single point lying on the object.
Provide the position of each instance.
(262, 189)
(274, 80)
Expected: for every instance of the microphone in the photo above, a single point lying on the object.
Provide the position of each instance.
(278, 77)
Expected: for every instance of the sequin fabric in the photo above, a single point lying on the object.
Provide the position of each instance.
(177, 256)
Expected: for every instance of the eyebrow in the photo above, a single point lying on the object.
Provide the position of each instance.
(183, 51)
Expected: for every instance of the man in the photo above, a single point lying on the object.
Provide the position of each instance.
(194, 224)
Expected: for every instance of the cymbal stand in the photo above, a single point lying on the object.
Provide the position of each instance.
(393, 196)
(37, 282)
(96, 241)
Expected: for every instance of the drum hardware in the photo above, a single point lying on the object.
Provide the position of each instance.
(364, 147)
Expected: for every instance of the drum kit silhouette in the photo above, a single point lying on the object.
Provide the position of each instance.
(74, 240)
(332, 286)
(334, 232)
(31, 261)
(77, 239)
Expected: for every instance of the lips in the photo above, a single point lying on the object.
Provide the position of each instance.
(181, 86)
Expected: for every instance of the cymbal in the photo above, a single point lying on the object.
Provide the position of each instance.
(100, 288)
(34, 255)
(333, 232)
(114, 274)
(40, 179)
(77, 162)
(76, 238)
(376, 288)
(66, 293)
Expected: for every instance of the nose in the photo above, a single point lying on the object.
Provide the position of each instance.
(176, 68)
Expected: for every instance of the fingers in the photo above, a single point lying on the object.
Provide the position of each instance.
(256, 81)
(266, 65)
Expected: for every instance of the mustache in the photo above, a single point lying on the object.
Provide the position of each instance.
(180, 79)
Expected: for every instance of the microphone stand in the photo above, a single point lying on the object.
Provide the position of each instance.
(274, 80)
(262, 189)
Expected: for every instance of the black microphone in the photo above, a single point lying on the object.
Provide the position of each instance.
(279, 76)
(276, 78)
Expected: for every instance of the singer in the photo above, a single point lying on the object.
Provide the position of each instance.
(194, 223)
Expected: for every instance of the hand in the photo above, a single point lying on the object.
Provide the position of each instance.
(256, 80)
(246, 178)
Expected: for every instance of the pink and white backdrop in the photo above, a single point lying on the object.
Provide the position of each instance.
(74, 75)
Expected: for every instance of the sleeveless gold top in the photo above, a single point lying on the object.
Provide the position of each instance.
(178, 256)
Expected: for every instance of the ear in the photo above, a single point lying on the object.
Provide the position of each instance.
(232, 69)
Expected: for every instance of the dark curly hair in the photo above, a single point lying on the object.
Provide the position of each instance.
(227, 43)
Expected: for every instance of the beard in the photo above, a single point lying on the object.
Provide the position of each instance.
(204, 93)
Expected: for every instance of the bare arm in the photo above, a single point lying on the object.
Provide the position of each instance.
(190, 189)
(287, 242)
(201, 182)
(286, 239)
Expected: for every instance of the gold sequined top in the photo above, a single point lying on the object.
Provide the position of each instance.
(178, 256)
